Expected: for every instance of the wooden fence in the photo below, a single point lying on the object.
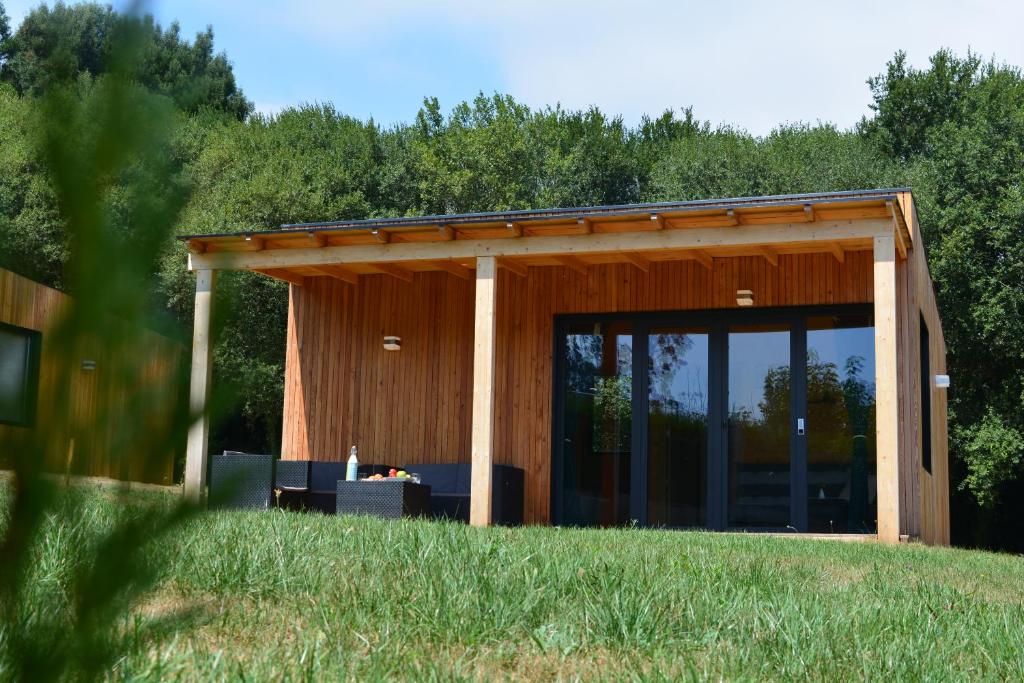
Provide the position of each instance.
(89, 440)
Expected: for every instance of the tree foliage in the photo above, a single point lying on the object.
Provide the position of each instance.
(58, 45)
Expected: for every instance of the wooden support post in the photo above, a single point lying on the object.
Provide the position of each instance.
(483, 391)
(887, 423)
(196, 453)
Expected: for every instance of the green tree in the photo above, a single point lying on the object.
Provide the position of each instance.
(960, 125)
(58, 45)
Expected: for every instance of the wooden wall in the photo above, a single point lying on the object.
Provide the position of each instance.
(96, 403)
(924, 495)
(411, 406)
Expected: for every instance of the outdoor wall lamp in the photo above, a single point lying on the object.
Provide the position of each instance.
(744, 297)
(942, 381)
(392, 343)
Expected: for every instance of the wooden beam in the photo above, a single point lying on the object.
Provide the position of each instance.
(447, 232)
(484, 349)
(197, 447)
(317, 240)
(702, 258)
(887, 418)
(572, 263)
(657, 221)
(637, 260)
(196, 247)
(836, 249)
(597, 243)
(380, 235)
(339, 273)
(282, 274)
(512, 267)
(453, 268)
(769, 254)
(897, 227)
(390, 269)
(514, 229)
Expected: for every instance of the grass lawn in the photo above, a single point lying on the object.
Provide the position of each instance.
(306, 597)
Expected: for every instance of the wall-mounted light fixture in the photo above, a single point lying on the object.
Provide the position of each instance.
(392, 343)
(942, 381)
(88, 364)
(744, 297)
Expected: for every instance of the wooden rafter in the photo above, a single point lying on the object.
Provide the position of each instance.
(453, 268)
(769, 254)
(836, 249)
(637, 260)
(701, 257)
(283, 275)
(898, 230)
(572, 263)
(513, 267)
(391, 269)
(339, 273)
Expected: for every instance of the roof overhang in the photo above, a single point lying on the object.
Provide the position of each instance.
(639, 233)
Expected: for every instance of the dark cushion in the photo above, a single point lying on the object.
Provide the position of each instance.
(440, 478)
(324, 476)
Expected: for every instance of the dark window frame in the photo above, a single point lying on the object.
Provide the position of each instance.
(924, 350)
(31, 388)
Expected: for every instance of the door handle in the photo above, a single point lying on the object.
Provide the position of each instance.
(800, 426)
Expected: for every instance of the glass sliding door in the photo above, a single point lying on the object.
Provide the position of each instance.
(596, 448)
(726, 419)
(841, 424)
(758, 423)
(677, 426)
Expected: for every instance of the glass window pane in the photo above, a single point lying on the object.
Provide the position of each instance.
(759, 426)
(14, 368)
(677, 427)
(841, 424)
(596, 450)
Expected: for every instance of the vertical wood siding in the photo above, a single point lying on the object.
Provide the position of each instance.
(96, 402)
(413, 406)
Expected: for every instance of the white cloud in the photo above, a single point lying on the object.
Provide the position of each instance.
(754, 64)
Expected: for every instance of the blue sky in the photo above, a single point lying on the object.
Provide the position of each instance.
(749, 64)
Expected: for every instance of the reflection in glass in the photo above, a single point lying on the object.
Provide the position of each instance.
(598, 419)
(841, 424)
(677, 427)
(759, 426)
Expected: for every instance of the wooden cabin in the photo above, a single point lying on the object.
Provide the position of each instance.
(86, 434)
(766, 363)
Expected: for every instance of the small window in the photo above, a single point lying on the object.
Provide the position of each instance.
(19, 374)
(926, 400)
